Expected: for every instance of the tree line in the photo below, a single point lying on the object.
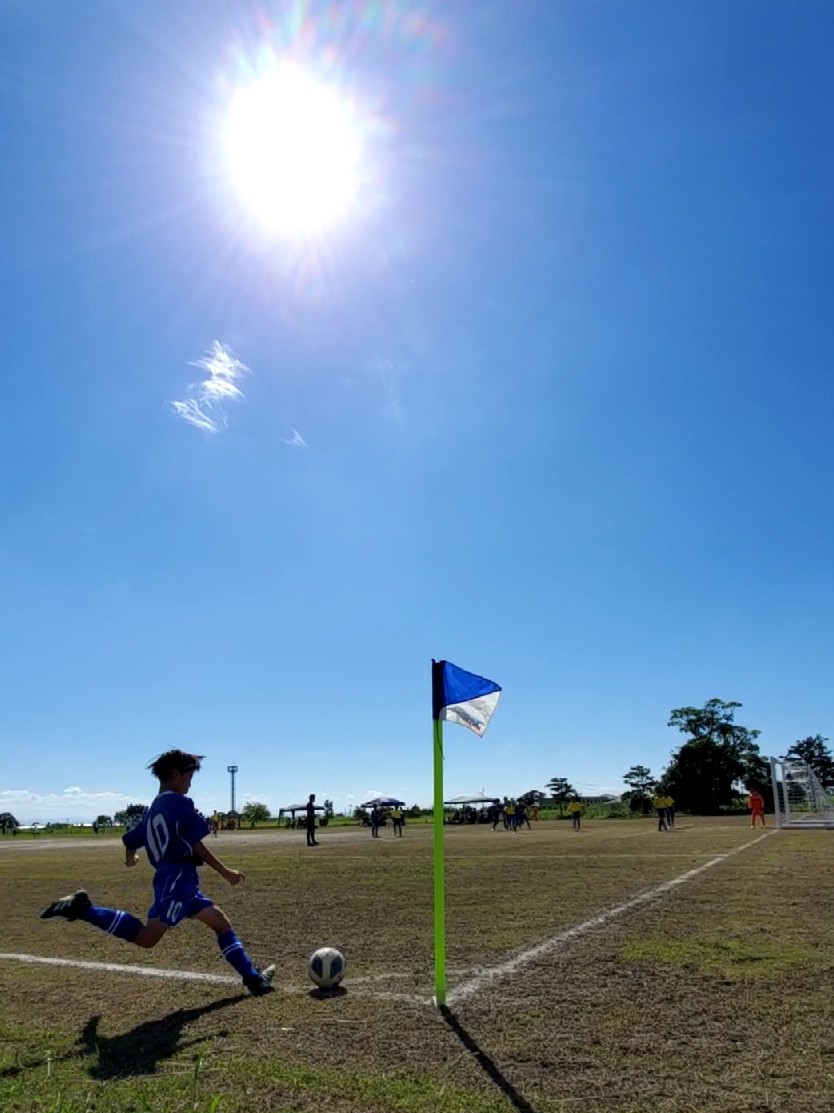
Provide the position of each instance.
(705, 773)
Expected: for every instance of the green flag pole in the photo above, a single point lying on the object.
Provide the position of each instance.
(439, 892)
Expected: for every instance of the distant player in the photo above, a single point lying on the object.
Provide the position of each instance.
(756, 804)
(659, 805)
(670, 813)
(172, 833)
(575, 812)
(397, 820)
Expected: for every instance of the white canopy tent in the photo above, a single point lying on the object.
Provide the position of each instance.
(473, 798)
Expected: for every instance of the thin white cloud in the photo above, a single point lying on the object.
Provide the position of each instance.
(190, 411)
(72, 803)
(222, 371)
(296, 440)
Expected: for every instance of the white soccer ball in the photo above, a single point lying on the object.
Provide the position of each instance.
(326, 967)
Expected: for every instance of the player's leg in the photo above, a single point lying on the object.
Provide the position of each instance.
(151, 933)
(78, 906)
(256, 981)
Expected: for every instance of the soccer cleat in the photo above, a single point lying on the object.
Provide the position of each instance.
(261, 984)
(70, 907)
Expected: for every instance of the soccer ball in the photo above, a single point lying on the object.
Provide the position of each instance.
(326, 967)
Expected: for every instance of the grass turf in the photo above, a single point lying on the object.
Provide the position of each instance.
(711, 998)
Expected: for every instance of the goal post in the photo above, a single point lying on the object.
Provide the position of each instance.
(799, 799)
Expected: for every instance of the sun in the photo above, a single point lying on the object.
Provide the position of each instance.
(294, 151)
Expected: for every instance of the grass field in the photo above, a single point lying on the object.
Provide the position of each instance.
(712, 995)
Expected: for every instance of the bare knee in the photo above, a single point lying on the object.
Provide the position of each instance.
(145, 941)
(149, 935)
(219, 921)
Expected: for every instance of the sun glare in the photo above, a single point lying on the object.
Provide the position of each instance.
(294, 152)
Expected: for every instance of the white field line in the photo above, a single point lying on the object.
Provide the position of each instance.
(182, 975)
(504, 969)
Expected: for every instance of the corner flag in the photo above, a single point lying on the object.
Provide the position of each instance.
(457, 697)
(462, 697)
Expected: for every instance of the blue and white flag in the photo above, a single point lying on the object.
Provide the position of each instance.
(462, 697)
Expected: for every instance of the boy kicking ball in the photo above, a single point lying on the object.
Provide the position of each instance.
(172, 833)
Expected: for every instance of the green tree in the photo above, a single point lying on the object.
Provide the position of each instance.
(7, 823)
(720, 754)
(815, 752)
(716, 721)
(640, 780)
(642, 784)
(129, 816)
(254, 812)
(328, 809)
(561, 790)
(103, 822)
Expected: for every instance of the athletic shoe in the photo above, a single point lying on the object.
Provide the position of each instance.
(71, 907)
(261, 984)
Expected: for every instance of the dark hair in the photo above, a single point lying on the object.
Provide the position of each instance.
(174, 761)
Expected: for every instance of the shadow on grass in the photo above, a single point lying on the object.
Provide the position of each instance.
(140, 1050)
(327, 994)
(487, 1065)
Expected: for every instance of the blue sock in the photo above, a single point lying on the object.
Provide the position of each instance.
(233, 952)
(114, 922)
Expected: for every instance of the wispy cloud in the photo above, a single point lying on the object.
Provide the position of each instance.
(222, 371)
(72, 803)
(296, 440)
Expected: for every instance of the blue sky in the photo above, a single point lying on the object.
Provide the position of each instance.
(552, 400)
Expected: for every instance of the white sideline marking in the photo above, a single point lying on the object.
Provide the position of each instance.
(503, 969)
(182, 975)
(119, 968)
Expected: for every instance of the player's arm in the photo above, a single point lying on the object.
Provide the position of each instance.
(133, 840)
(234, 877)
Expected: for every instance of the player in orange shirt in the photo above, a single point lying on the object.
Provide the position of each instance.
(756, 804)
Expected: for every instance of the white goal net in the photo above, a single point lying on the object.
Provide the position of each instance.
(799, 798)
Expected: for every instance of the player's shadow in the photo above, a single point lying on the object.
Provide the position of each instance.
(140, 1050)
(487, 1065)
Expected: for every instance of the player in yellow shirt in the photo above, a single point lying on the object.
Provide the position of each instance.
(670, 813)
(575, 812)
(659, 805)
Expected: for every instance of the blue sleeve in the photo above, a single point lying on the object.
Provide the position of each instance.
(191, 824)
(134, 839)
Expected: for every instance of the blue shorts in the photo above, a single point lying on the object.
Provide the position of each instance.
(177, 896)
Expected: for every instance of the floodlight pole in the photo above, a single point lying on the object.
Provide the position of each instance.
(232, 771)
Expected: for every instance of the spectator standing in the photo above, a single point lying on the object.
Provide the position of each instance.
(310, 822)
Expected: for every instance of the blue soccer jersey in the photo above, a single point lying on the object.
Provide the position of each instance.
(168, 830)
